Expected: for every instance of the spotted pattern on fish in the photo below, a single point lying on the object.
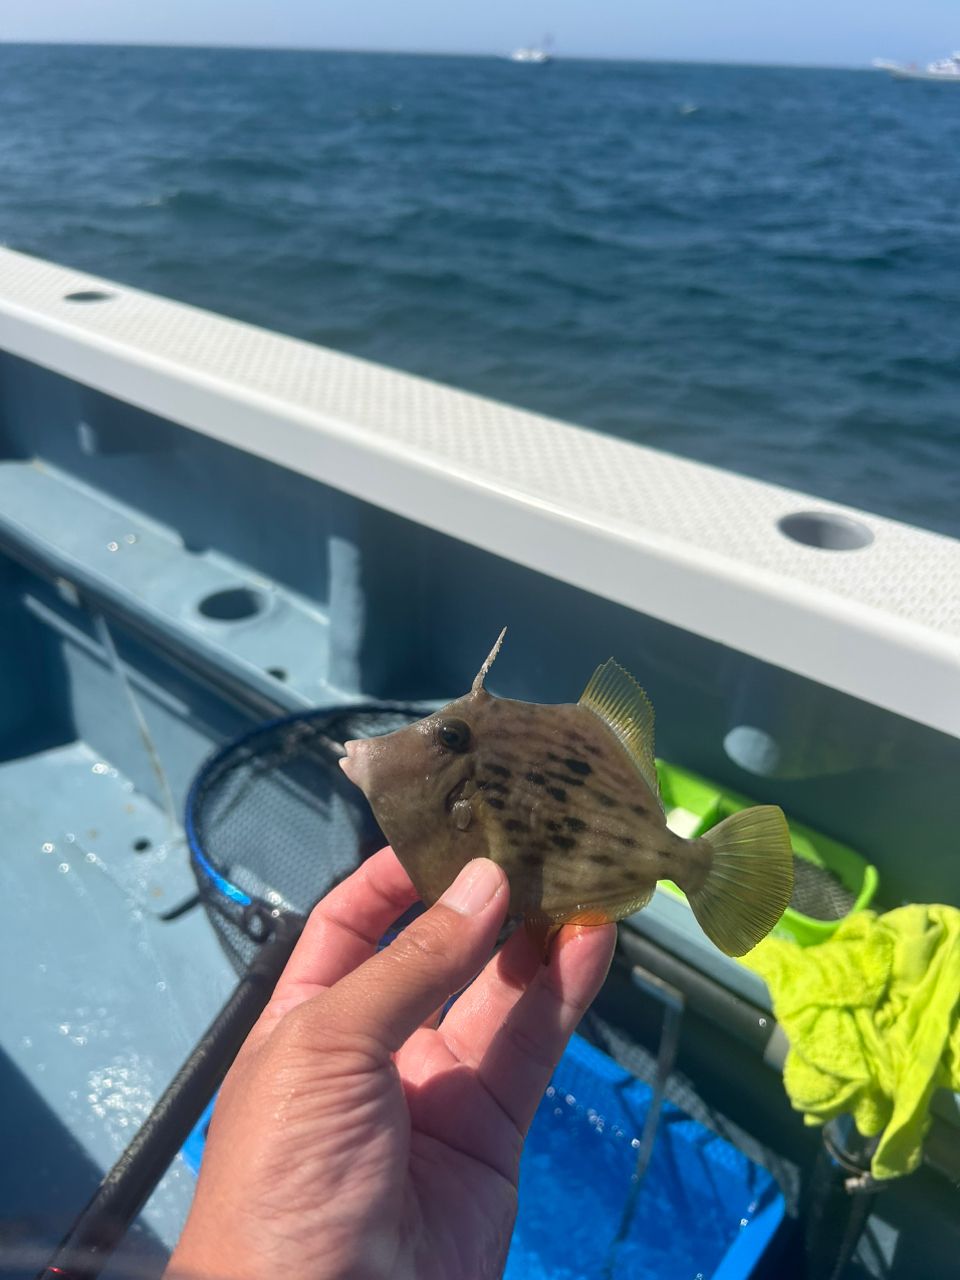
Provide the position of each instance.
(565, 778)
(578, 766)
(559, 771)
(557, 794)
(554, 798)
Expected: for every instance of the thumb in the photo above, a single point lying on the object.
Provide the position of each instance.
(389, 996)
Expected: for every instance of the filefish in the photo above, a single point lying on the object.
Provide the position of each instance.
(565, 799)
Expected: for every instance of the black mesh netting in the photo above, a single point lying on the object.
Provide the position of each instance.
(273, 823)
(818, 893)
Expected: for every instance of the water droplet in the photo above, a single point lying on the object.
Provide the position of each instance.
(550, 1091)
(762, 1021)
(64, 867)
(70, 838)
(570, 1100)
(113, 546)
(26, 1043)
(744, 1221)
(48, 847)
(64, 1028)
(91, 856)
(635, 1143)
(99, 767)
(161, 985)
(80, 1040)
(130, 538)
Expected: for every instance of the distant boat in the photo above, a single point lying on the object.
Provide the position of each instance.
(539, 54)
(947, 69)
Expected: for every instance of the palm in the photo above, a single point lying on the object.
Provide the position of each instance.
(360, 1138)
(465, 1094)
(462, 1165)
(443, 1152)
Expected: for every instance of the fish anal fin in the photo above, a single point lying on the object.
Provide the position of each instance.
(590, 916)
(614, 696)
(541, 931)
(543, 928)
(610, 912)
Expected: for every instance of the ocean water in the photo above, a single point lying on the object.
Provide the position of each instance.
(753, 267)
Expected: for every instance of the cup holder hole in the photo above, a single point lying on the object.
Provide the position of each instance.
(232, 605)
(87, 295)
(825, 530)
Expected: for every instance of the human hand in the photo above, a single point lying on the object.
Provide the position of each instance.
(355, 1138)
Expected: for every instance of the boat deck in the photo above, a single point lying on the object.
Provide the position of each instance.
(111, 993)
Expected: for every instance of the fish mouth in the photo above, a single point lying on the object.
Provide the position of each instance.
(350, 763)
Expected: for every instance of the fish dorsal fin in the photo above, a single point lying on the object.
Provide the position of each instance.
(622, 705)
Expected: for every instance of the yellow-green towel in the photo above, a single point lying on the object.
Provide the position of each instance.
(872, 1020)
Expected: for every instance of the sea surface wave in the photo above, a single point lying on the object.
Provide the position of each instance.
(754, 267)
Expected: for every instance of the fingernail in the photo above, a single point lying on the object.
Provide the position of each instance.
(477, 883)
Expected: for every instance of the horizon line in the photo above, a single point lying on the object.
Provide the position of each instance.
(429, 53)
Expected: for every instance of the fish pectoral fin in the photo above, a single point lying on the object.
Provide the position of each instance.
(614, 696)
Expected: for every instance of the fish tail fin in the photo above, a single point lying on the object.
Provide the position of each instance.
(750, 880)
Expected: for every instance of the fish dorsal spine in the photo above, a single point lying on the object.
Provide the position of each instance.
(614, 696)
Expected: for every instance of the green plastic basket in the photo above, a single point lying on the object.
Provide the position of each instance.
(693, 805)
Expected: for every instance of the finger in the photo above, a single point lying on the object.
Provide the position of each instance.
(345, 926)
(514, 1039)
(388, 998)
(342, 932)
(480, 1012)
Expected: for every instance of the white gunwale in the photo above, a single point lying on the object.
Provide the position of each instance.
(686, 543)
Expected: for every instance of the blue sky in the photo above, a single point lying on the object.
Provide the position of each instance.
(839, 32)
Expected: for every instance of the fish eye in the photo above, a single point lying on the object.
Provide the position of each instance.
(453, 734)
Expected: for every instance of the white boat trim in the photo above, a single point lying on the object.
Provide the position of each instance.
(685, 543)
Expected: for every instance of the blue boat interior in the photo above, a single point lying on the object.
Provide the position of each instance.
(161, 593)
